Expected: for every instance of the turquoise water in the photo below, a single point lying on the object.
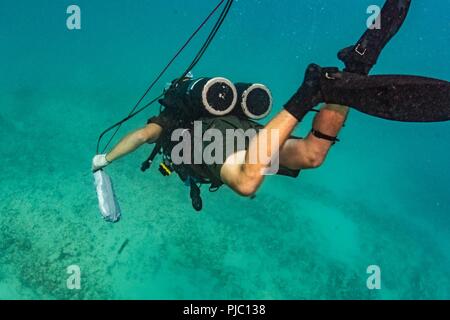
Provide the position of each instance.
(382, 198)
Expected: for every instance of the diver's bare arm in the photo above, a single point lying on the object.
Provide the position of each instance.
(134, 140)
(246, 178)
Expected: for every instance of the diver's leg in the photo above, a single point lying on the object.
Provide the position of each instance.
(311, 152)
(361, 57)
(392, 97)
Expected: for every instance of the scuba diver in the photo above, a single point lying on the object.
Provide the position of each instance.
(218, 103)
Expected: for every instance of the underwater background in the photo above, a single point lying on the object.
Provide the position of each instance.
(382, 197)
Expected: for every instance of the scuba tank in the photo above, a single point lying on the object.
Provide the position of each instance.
(195, 98)
(254, 100)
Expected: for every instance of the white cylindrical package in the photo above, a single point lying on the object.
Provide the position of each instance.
(107, 201)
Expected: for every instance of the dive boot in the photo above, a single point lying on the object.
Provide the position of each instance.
(309, 94)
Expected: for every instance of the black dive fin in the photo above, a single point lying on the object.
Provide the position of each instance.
(392, 97)
(361, 57)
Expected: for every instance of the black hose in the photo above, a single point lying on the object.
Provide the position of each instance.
(197, 58)
(210, 38)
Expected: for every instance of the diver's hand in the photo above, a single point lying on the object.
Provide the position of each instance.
(99, 162)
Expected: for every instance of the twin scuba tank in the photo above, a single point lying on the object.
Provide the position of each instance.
(203, 97)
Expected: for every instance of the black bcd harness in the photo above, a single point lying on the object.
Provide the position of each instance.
(184, 171)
